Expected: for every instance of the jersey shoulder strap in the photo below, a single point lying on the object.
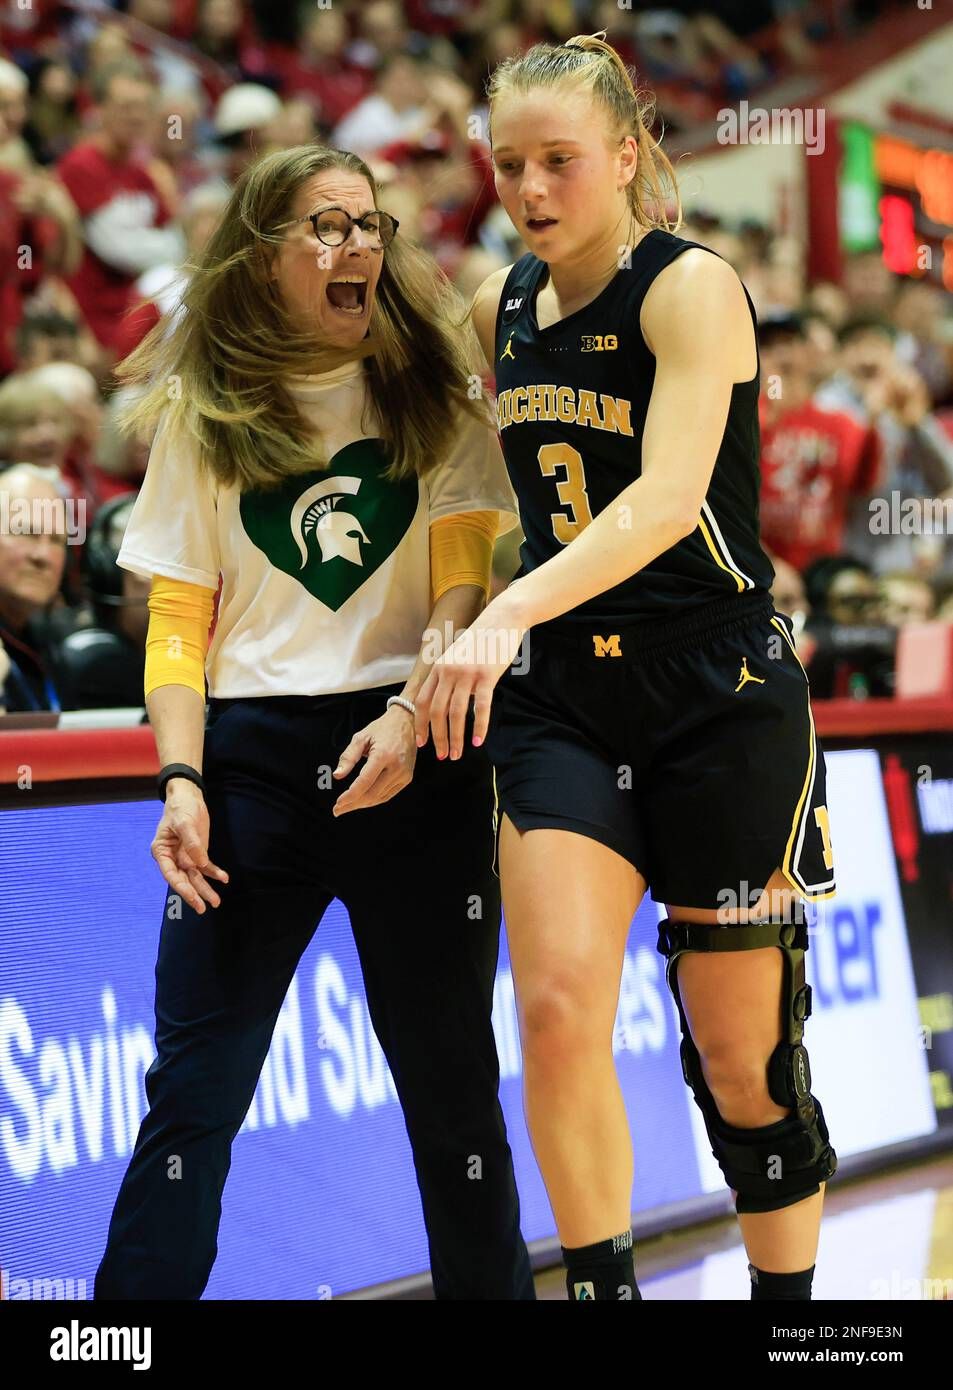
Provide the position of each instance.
(517, 290)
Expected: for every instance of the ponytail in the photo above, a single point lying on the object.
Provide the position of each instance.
(591, 63)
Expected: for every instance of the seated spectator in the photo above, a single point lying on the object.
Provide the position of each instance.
(159, 290)
(450, 173)
(829, 300)
(925, 341)
(126, 221)
(77, 389)
(813, 461)
(53, 124)
(382, 32)
(842, 591)
(32, 560)
(318, 68)
(108, 45)
(39, 236)
(35, 426)
(52, 419)
(15, 153)
(173, 72)
(868, 284)
(879, 391)
(242, 125)
(853, 650)
(104, 665)
(294, 125)
(906, 598)
(394, 110)
(45, 335)
(179, 165)
(225, 32)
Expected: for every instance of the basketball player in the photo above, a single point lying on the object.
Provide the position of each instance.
(317, 448)
(662, 737)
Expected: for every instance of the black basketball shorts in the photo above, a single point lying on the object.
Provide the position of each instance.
(685, 745)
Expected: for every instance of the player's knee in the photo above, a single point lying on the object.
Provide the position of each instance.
(739, 1088)
(556, 1021)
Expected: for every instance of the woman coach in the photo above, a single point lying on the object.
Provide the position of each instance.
(316, 445)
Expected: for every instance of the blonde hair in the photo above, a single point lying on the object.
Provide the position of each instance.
(589, 63)
(21, 400)
(217, 364)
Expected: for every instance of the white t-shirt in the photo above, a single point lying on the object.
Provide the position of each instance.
(325, 580)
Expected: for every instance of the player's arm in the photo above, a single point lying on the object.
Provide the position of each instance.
(696, 322)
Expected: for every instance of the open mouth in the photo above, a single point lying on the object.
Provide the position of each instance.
(540, 224)
(348, 294)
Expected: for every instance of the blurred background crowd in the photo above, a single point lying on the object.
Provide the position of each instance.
(122, 129)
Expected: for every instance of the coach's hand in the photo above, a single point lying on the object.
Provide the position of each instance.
(469, 669)
(391, 752)
(180, 847)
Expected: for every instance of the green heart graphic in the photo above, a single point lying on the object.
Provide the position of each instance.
(331, 529)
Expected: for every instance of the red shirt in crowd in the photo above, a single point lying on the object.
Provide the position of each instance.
(95, 182)
(18, 280)
(812, 462)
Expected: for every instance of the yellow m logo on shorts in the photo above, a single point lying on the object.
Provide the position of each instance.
(607, 646)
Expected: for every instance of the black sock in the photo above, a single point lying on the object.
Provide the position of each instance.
(602, 1271)
(790, 1286)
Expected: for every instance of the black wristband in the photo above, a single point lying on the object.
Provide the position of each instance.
(178, 770)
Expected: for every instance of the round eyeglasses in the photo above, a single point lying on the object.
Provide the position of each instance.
(333, 226)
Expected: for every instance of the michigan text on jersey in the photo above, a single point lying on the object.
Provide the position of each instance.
(520, 404)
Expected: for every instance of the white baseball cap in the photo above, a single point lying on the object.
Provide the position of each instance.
(246, 106)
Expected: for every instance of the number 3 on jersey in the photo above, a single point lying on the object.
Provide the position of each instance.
(571, 490)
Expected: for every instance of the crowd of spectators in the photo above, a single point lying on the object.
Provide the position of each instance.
(121, 134)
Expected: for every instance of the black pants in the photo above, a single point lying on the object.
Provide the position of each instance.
(408, 873)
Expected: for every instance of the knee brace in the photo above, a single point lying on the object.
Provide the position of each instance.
(781, 1163)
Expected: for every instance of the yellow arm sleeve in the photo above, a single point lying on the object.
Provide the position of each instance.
(461, 551)
(180, 616)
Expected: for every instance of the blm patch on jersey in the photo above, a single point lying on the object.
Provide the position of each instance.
(332, 529)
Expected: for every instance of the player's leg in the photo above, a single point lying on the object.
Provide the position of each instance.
(734, 1006)
(426, 920)
(568, 902)
(740, 828)
(570, 853)
(220, 980)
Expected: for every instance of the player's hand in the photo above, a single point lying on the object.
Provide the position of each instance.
(469, 669)
(391, 752)
(180, 847)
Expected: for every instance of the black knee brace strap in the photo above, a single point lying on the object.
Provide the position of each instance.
(781, 1163)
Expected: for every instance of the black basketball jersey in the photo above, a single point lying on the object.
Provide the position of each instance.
(572, 401)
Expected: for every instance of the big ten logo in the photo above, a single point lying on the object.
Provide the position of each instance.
(842, 960)
(640, 1019)
(598, 342)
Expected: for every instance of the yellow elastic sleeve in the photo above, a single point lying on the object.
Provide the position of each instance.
(461, 551)
(180, 616)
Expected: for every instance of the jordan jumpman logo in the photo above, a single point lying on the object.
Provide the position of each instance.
(745, 675)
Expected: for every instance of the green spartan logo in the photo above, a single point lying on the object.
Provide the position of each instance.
(333, 528)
